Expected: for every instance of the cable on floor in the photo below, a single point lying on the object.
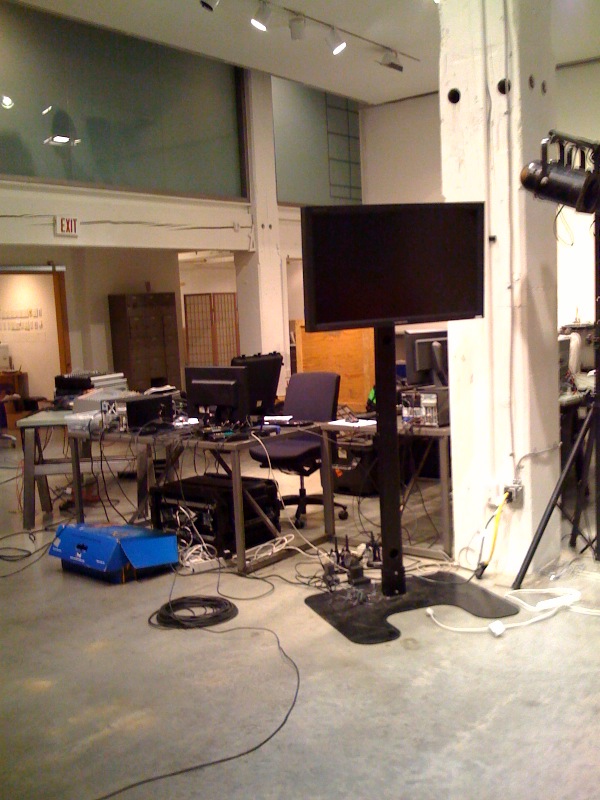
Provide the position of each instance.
(554, 600)
(193, 611)
(235, 756)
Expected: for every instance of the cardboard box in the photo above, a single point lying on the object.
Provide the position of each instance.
(116, 553)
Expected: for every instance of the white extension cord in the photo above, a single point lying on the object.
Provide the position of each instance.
(544, 609)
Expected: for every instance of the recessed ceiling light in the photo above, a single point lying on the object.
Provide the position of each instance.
(7, 102)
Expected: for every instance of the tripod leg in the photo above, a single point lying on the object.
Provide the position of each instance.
(581, 490)
(553, 501)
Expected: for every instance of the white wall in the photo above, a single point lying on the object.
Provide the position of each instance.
(196, 278)
(401, 152)
(295, 288)
(107, 218)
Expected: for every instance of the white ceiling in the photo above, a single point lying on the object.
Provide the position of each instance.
(409, 27)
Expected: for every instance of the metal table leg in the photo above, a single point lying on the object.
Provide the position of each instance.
(29, 478)
(238, 511)
(327, 486)
(77, 479)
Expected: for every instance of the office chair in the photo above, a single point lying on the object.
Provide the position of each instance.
(310, 396)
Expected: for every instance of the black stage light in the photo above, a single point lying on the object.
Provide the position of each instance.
(571, 187)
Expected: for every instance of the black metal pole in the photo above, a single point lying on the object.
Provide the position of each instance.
(393, 579)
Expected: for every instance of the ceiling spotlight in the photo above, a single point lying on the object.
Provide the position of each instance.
(7, 102)
(209, 5)
(390, 59)
(297, 25)
(260, 19)
(335, 41)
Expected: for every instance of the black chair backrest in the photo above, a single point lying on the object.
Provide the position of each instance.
(312, 396)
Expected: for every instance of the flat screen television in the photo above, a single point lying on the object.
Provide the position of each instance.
(217, 395)
(372, 265)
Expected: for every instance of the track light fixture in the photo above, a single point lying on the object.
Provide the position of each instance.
(390, 59)
(260, 19)
(561, 181)
(336, 37)
(209, 5)
(297, 27)
(335, 41)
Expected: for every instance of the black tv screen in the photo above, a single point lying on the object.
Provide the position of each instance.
(373, 265)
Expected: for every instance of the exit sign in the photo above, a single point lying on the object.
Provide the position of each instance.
(65, 226)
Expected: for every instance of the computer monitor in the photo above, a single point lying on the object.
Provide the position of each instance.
(217, 395)
(426, 358)
(263, 379)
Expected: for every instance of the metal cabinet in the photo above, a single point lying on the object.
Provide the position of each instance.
(145, 342)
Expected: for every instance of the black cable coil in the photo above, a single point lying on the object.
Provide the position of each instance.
(193, 612)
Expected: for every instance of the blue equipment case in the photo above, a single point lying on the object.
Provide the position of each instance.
(116, 553)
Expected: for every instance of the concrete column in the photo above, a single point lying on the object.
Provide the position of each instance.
(260, 274)
(496, 104)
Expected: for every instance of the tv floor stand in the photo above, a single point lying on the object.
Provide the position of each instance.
(366, 622)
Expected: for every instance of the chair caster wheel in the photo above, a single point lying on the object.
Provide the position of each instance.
(343, 514)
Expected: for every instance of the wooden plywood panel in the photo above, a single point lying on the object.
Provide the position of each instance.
(350, 353)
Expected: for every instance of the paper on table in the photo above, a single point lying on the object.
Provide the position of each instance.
(360, 423)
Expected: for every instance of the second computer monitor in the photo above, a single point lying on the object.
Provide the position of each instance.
(426, 358)
(263, 379)
(218, 395)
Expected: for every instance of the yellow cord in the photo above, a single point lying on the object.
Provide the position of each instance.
(484, 564)
(496, 526)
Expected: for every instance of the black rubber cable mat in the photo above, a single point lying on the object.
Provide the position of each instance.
(360, 614)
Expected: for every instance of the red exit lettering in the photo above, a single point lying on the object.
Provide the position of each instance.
(68, 225)
(65, 226)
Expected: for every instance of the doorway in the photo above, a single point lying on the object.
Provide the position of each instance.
(34, 324)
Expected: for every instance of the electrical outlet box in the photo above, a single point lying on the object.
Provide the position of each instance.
(515, 493)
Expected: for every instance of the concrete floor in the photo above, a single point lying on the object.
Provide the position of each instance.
(94, 699)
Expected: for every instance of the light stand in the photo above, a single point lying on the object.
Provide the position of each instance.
(574, 186)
